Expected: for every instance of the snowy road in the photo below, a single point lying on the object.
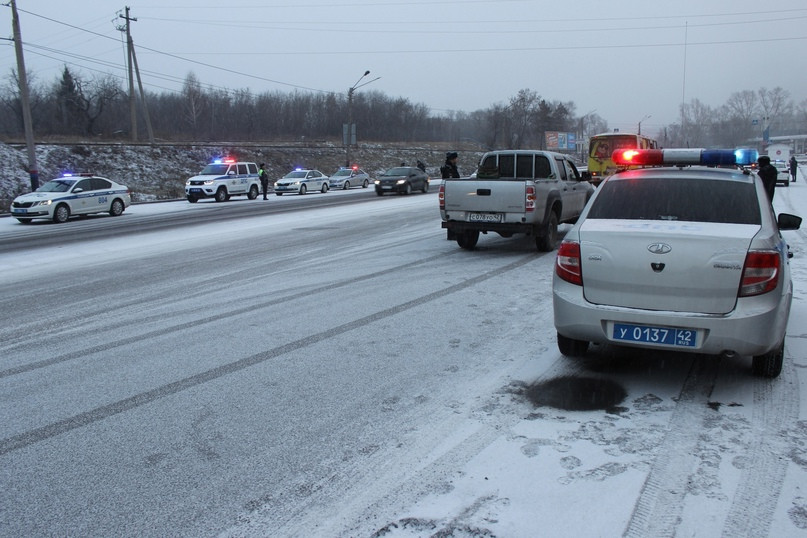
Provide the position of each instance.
(338, 372)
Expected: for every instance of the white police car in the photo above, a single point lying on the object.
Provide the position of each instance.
(302, 181)
(72, 194)
(344, 178)
(224, 178)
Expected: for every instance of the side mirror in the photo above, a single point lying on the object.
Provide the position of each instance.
(78, 189)
(786, 221)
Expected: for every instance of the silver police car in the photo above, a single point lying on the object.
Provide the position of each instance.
(678, 257)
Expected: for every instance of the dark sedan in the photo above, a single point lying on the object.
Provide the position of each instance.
(403, 180)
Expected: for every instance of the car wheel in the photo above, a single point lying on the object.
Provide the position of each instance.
(379, 193)
(425, 188)
(407, 189)
(324, 188)
(571, 347)
(192, 199)
(116, 210)
(547, 241)
(303, 188)
(279, 193)
(346, 186)
(61, 214)
(25, 221)
(365, 184)
(468, 239)
(769, 364)
(253, 192)
(221, 195)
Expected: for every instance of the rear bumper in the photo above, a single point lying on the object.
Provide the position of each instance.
(454, 226)
(755, 326)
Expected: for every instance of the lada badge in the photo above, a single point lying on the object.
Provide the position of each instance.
(659, 248)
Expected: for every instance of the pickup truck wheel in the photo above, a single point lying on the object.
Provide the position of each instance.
(547, 241)
(468, 239)
(770, 364)
(221, 195)
(571, 347)
(253, 192)
(192, 199)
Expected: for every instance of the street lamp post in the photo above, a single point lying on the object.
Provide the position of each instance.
(641, 120)
(349, 133)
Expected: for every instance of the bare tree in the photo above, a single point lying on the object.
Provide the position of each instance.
(193, 103)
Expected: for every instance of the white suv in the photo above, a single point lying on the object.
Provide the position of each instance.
(222, 179)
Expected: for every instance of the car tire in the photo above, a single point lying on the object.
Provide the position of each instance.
(379, 193)
(346, 186)
(365, 184)
(116, 209)
(407, 189)
(425, 188)
(221, 195)
(278, 194)
(253, 192)
(548, 239)
(193, 199)
(61, 213)
(571, 347)
(468, 239)
(25, 221)
(770, 364)
(324, 188)
(303, 188)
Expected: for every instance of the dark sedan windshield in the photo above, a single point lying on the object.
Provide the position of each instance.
(397, 172)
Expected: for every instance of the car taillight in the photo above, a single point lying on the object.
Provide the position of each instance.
(567, 263)
(441, 196)
(760, 273)
(529, 201)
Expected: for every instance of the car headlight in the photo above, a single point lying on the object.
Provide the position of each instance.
(42, 202)
(209, 182)
(377, 181)
(401, 181)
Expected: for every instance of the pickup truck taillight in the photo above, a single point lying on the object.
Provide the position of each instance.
(529, 201)
(567, 263)
(441, 196)
(760, 273)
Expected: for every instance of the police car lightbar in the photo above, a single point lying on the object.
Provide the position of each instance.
(683, 157)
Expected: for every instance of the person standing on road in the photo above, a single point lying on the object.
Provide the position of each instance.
(449, 169)
(264, 177)
(767, 173)
(794, 165)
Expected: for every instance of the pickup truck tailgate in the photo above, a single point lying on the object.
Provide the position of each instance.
(500, 196)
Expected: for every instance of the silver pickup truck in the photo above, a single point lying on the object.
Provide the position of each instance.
(514, 191)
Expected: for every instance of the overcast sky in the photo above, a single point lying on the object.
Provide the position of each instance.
(626, 60)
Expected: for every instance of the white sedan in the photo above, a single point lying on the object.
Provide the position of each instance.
(69, 195)
(679, 258)
(302, 181)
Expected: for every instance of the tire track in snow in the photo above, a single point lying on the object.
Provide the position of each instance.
(661, 500)
(776, 408)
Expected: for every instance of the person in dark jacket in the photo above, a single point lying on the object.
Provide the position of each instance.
(449, 169)
(794, 165)
(767, 173)
(264, 177)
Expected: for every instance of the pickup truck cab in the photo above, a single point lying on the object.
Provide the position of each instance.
(514, 191)
(224, 178)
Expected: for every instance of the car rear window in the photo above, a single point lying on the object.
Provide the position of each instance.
(683, 199)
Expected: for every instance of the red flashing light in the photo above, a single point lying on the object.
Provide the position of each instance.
(355, 167)
(229, 161)
(635, 157)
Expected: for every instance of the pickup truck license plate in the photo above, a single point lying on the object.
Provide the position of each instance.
(627, 332)
(485, 217)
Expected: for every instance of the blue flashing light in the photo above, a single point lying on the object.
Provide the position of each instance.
(216, 161)
(746, 157)
(718, 157)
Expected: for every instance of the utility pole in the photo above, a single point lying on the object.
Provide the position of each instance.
(132, 98)
(25, 101)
